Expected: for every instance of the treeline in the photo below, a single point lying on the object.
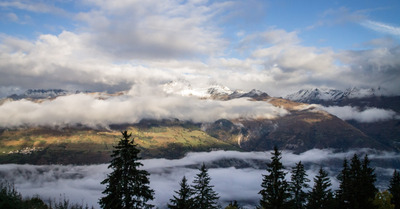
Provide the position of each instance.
(128, 187)
(356, 190)
(10, 198)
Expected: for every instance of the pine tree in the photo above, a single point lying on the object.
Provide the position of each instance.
(361, 184)
(297, 185)
(355, 181)
(367, 186)
(184, 200)
(126, 186)
(204, 195)
(394, 189)
(343, 195)
(274, 190)
(320, 195)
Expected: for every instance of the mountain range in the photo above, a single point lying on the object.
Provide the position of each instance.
(304, 127)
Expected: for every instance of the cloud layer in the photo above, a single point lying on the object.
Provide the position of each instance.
(140, 103)
(81, 184)
(114, 46)
(369, 115)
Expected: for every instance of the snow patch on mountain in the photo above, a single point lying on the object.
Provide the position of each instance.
(362, 93)
(184, 88)
(40, 94)
(323, 94)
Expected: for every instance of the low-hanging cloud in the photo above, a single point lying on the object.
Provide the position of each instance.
(81, 184)
(139, 103)
(369, 115)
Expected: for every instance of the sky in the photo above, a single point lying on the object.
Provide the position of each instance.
(275, 46)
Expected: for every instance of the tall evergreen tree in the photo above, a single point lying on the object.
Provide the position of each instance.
(343, 195)
(362, 188)
(367, 186)
(204, 195)
(184, 200)
(274, 192)
(394, 189)
(355, 182)
(126, 186)
(297, 185)
(321, 194)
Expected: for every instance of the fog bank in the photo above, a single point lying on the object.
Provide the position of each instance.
(139, 103)
(368, 115)
(81, 184)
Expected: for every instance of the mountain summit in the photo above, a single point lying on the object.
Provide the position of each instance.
(40, 94)
(316, 95)
(214, 91)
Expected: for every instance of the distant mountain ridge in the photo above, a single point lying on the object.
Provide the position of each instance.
(318, 95)
(214, 91)
(40, 94)
(305, 127)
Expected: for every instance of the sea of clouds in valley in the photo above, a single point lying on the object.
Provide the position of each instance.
(235, 175)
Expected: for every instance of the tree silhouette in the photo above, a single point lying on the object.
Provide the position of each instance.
(274, 190)
(355, 181)
(361, 184)
(204, 195)
(344, 195)
(320, 195)
(126, 186)
(367, 187)
(394, 189)
(297, 185)
(184, 200)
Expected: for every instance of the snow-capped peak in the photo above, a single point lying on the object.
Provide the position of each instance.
(361, 93)
(40, 94)
(315, 94)
(310, 95)
(214, 91)
(219, 90)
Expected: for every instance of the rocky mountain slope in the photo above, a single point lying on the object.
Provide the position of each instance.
(40, 94)
(386, 131)
(372, 97)
(304, 127)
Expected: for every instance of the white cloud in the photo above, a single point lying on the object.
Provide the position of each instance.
(141, 102)
(147, 30)
(81, 184)
(32, 6)
(381, 27)
(369, 115)
(118, 44)
(12, 17)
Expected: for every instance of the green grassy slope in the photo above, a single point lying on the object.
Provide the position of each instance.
(85, 146)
